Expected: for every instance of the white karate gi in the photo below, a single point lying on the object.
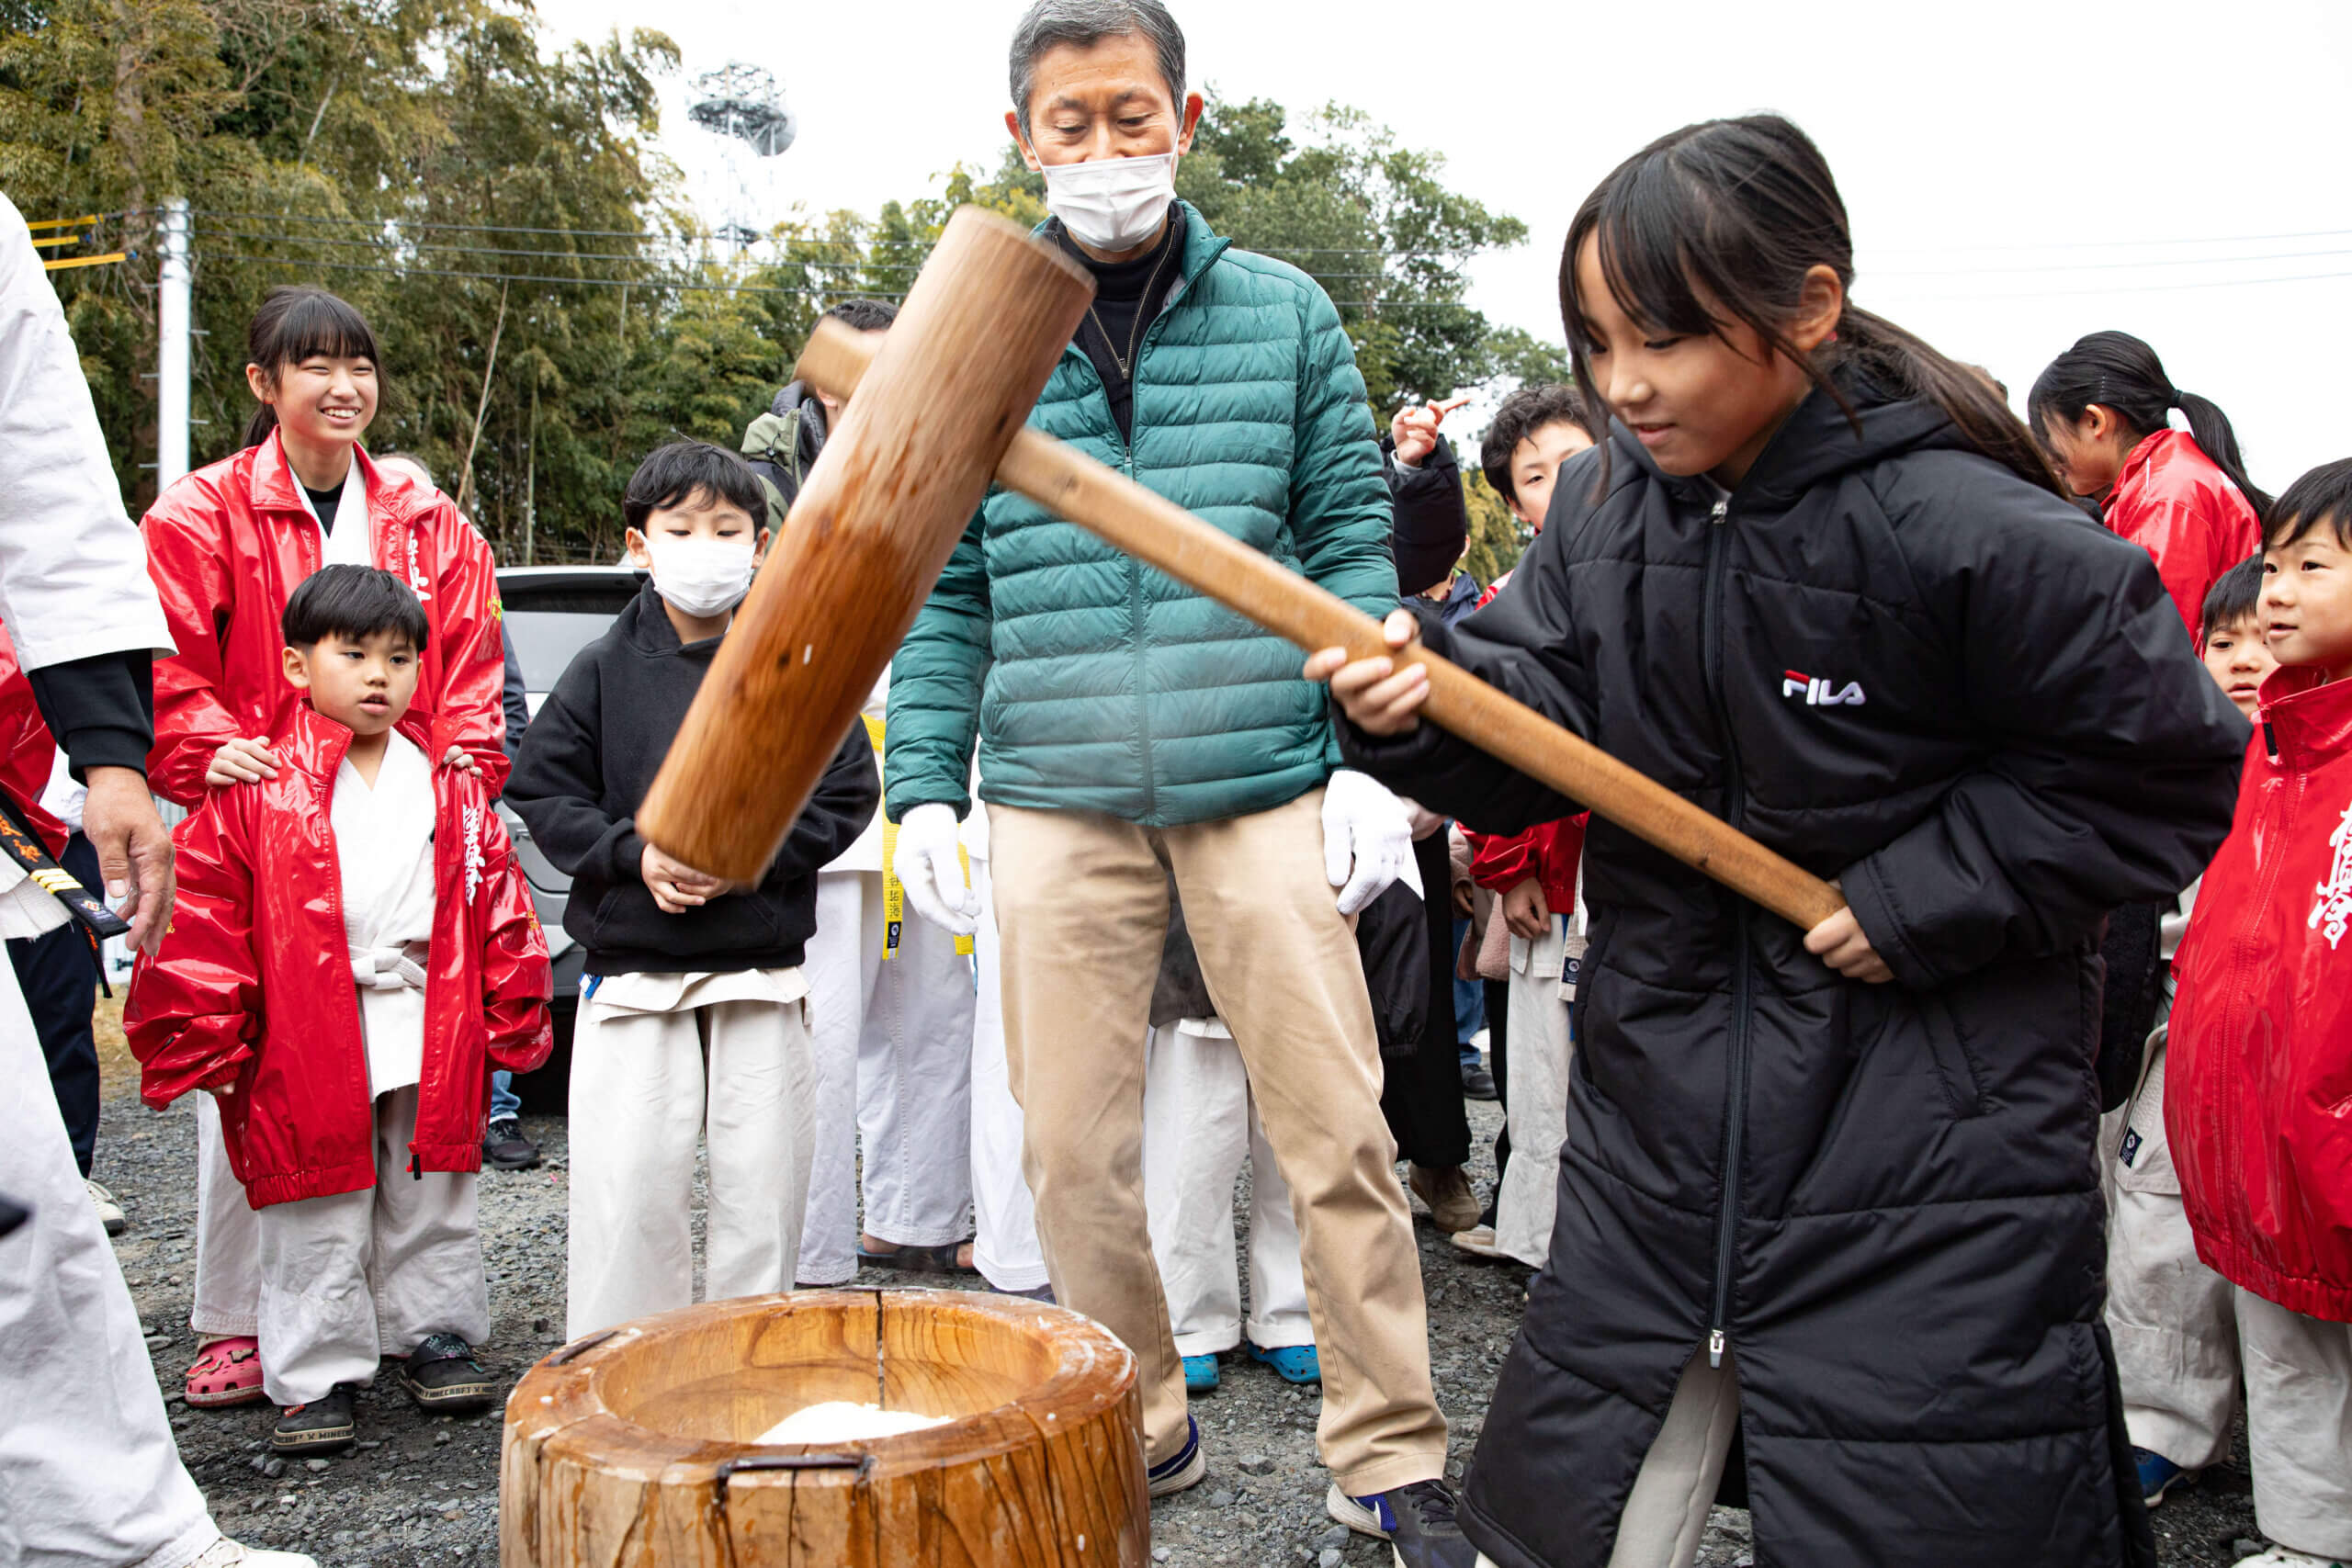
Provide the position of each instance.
(354, 1275)
(228, 1237)
(657, 1059)
(1004, 1218)
(1541, 1054)
(1199, 1123)
(892, 1042)
(89, 1476)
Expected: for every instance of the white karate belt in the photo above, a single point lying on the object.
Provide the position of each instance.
(389, 968)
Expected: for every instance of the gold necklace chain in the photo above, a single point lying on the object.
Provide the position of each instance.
(1135, 338)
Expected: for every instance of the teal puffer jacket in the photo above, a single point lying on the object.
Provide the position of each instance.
(1096, 684)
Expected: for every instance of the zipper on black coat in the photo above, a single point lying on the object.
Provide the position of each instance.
(1711, 639)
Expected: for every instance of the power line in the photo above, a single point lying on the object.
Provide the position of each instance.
(867, 264)
(2111, 245)
(655, 284)
(2112, 266)
(658, 285)
(2126, 288)
(398, 222)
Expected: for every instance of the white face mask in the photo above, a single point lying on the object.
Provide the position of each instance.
(700, 577)
(1112, 203)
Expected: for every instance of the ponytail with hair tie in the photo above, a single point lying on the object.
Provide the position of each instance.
(2123, 374)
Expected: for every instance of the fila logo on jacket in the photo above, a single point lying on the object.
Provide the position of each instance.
(1818, 690)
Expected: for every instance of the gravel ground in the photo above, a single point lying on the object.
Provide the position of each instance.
(423, 1492)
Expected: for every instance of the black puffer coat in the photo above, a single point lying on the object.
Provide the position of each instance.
(1901, 666)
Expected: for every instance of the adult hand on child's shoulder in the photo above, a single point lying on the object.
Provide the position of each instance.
(1377, 697)
(1839, 941)
(241, 761)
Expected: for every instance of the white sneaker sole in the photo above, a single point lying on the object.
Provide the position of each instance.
(1187, 1476)
(1353, 1514)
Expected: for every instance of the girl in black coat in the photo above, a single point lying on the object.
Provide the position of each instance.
(1834, 1189)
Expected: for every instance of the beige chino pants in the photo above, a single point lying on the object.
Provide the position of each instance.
(1082, 902)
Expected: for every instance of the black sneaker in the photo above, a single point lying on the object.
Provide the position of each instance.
(324, 1425)
(504, 1147)
(1416, 1521)
(442, 1376)
(1477, 1084)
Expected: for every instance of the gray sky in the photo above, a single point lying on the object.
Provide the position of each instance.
(2016, 172)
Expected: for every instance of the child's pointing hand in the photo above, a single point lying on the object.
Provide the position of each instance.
(1377, 697)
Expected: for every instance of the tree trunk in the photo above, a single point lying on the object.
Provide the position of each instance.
(482, 408)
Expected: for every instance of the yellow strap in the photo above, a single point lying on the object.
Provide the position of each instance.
(70, 262)
(894, 893)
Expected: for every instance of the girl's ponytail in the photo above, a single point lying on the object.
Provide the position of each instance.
(2121, 373)
(2210, 428)
(295, 322)
(1727, 218)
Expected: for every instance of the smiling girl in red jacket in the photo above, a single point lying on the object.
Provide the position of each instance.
(353, 950)
(2258, 1071)
(2102, 412)
(226, 546)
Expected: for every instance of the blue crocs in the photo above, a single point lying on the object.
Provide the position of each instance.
(1200, 1373)
(1292, 1363)
(2158, 1475)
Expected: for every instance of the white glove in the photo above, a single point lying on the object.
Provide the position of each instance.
(927, 866)
(1364, 829)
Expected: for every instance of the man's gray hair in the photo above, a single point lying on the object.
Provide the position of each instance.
(1082, 24)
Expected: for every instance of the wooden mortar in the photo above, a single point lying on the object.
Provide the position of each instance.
(631, 1448)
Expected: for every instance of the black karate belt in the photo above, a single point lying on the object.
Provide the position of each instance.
(22, 845)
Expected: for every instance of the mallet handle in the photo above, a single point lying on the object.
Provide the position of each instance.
(1160, 534)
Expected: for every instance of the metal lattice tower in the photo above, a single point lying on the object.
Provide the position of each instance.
(742, 104)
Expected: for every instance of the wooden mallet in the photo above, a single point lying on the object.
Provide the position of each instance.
(938, 413)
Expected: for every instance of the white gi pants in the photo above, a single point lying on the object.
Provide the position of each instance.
(1004, 1220)
(1541, 1054)
(1199, 1124)
(89, 1475)
(228, 1237)
(1665, 1513)
(2185, 1336)
(643, 1086)
(354, 1276)
(892, 1043)
(2173, 1319)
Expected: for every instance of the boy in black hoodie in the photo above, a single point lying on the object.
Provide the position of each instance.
(692, 1014)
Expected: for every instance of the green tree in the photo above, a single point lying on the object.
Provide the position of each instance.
(1497, 539)
(1373, 222)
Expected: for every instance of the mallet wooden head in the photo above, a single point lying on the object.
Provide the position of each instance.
(877, 517)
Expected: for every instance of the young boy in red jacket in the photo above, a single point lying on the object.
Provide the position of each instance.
(353, 950)
(2258, 1090)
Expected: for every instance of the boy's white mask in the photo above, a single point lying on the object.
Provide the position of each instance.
(700, 577)
(1112, 203)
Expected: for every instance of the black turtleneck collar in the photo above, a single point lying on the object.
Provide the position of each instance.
(1128, 295)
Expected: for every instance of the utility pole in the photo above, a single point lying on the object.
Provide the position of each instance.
(172, 348)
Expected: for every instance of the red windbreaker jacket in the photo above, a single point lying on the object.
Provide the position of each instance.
(253, 986)
(2174, 502)
(27, 752)
(2258, 1067)
(1550, 850)
(228, 545)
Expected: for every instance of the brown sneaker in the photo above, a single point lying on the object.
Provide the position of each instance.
(1446, 1190)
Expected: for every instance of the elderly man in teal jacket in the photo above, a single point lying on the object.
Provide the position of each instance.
(1129, 728)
